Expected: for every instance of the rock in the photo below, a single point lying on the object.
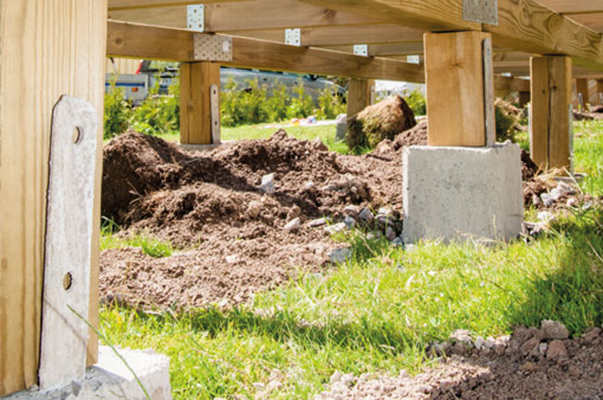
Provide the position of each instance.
(268, 186)
(398, 242)
(500, 344)
(461, 336)
(254, 209)
(351, 211)
(388, 212)
(542, 348)
(529, 346)
(293, 225)
(556, 350)
(554, 330)
(232, 259)
(390, 234)
(480, 343)
(336, 228)
(527, 367)
(571, 202)
(366, 215)
(547, 199)
(294, 212)
(342, 127)
(592, 334)
(349, 222)
(384, 221)
(340, 256)
(317, 223)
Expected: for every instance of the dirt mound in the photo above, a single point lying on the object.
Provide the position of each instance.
(384, 120)
(528, 366)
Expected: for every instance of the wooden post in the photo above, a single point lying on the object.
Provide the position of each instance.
(550, 137)
(196, 80)
(583, 92)
(524, 98)
(454, 69)
(359, 95)
(600, 91)
(41, 59)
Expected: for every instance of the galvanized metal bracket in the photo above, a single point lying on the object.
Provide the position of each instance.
(214, 95)
(361, 50)
(293, 37)
(196, 17)
(571, 138)
(413, 59)
(213, 48)
(68, 244)
(482, 11)
(489, 115)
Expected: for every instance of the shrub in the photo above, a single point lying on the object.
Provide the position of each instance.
(507, 120)
(417, 102)
(117, 111)
(301, 105)
(331, 104)
(241, 107)
(158, 114)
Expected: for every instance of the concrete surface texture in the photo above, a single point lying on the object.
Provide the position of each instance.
(110, 379)
(462, 193)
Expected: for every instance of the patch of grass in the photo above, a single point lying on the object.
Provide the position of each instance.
(378, 312)
(151, 246)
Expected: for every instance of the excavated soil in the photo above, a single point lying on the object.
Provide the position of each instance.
(229, 233)
(573, 370)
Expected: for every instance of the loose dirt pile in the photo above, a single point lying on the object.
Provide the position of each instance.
(532, 364)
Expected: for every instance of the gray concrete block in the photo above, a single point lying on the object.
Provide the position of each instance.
(110, 379)
(456, 193)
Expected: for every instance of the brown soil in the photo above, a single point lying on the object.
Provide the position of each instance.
(578, 374)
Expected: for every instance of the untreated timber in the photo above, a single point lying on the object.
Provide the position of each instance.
(149, 42)
(524, 25)
(135, 4)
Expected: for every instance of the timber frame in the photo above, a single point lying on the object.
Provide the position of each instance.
(538, 47)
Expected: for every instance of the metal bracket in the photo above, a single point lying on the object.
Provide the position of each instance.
(213, 48)
(293, 37)
(195, 15)
(482, 11)
(361, 50)
(214, 95)
(489, 116)
(413, 59)
(571, 138)
(68, 244)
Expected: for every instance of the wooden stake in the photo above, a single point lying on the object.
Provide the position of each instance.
(359, 95)
(454, 68)
(550, 137)
(196, 80)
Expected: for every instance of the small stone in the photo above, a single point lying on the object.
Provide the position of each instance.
(556, 350)
(232, 259)
(254, 209)
(571, 202)
(293, 225)
(308, 185)
(388, 212)
(529, 346)
(349, 222)
(527, 367)
(336, 228)
(480, 343)
(554, 330)
(294, 212)
(542, 348)
(366, 215)
(463, 337)
(547, 199)
(342, 127)
(592, 334)
(390, 234)
(340, 256)
(317, 223)
(398, 242)
(351, 211)
(268, 184)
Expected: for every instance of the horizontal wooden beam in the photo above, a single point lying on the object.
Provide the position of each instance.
(574, 7)
(524, 25)
(250, 15)
(135, 4)
(385, 49)
(149, 42)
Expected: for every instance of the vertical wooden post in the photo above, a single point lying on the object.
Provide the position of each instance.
(600, 91)
(583, 92)
(41, 59)
(550, 137)
(359, 95)
(456, 106)
(196, 80)
(524, 98)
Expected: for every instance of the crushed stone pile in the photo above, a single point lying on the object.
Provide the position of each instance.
(531, 364)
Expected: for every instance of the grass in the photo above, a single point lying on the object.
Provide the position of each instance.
(150, 245)
(378, 312)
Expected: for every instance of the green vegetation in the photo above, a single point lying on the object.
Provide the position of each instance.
(117, 111)
(378, 312)
(417, 102)
(151, 246)
(158, 114)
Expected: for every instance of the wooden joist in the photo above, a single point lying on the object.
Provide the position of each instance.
(524, 25)
(136, 4)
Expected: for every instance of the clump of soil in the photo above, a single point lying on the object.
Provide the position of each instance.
(384, 120)
(531, 365)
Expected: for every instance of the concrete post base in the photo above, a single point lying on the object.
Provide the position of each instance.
(111, 380)
(457, 193)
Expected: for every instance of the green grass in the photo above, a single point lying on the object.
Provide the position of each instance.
(379, 311)
(150, 245)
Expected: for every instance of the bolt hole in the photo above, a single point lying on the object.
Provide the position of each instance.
(67, 281)
(77, 135)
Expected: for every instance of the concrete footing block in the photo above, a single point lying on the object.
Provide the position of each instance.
(457, 193)
(110, 379)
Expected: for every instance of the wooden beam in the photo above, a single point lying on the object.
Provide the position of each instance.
(385, 50)
(359, 95)
(155, 43)
(138, 4)
(524, 25)
(574, 7)
(250, 15)
(582, 92)
(454, 66)
(41, 60)
(600, 91)
(550, 112)
(196, 80)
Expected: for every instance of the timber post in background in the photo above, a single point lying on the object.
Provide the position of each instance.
(551, 122)
(360, 95)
